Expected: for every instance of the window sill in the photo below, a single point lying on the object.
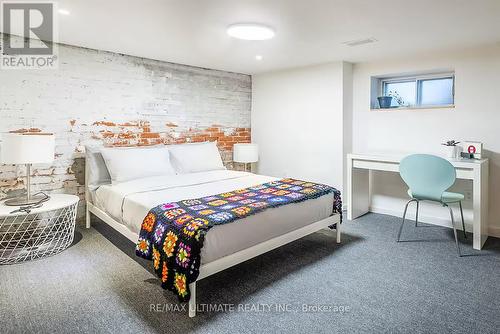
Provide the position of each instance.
(447, 106)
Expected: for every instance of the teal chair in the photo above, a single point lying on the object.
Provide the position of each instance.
(428, 177)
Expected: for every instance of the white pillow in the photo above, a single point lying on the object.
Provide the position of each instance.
(196, 157)
(136, 163)
(97, 171)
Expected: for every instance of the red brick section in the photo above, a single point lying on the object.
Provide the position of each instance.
(30, 130)
(139, 133)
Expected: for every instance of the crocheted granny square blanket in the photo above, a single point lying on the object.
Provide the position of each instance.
(172, 234)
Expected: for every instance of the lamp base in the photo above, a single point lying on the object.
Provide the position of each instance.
(245, 167)
(23, 201)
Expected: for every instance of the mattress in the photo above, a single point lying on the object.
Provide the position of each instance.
(129, 202)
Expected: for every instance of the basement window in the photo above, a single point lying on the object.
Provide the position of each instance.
(413, 91)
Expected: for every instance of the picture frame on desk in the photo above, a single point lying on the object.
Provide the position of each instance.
(471, 150)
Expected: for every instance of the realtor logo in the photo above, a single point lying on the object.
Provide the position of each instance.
(28, 33)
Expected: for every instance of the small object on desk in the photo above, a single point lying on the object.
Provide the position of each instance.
(466, 155)
(451, 148)
(474, 148)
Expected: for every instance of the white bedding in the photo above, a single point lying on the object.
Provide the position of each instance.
(129, 202)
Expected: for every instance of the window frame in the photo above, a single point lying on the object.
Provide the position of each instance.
(418, 87)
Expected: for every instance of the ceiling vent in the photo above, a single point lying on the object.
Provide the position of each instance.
(358, 42)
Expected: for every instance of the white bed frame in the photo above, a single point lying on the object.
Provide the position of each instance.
(226, 261)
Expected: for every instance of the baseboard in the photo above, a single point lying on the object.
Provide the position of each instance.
(421, 218)
(494, 231)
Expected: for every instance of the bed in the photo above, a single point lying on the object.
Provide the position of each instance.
(124, 205)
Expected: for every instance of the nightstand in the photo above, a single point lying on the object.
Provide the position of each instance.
(43, 232)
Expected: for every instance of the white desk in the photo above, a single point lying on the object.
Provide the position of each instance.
(358, 187)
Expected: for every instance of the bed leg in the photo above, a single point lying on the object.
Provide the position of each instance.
(87, 218)
(192, 300)
(337, 229)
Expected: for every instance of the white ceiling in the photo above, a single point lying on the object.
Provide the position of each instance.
(307, 31)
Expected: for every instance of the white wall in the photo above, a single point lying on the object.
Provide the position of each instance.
(298, 121)
(476, 116)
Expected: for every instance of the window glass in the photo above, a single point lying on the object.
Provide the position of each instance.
(436, 91)
(404, 89)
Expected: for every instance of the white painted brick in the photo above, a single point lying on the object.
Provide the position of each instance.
(92, 86)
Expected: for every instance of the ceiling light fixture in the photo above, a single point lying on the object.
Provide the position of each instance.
(250, 31)
(358, 42)
(258, 57)
(63, 11)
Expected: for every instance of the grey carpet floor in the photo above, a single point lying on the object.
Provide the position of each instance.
(367, 284)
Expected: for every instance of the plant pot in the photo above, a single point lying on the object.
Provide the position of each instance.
(451, 152)
(384, 101)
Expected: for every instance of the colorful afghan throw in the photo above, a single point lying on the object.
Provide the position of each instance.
(172, 234)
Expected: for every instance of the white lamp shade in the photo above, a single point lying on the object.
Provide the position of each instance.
(27, 148)
(245, 153)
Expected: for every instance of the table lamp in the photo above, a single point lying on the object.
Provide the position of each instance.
(245, 153)
(27, 149)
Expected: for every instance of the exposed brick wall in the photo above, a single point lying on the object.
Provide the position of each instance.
(102, 98)
(139, 133)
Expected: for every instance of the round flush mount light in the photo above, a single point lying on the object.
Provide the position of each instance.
(250, 31)
(258, 57)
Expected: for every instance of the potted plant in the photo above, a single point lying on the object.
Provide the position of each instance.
(384, 101)
(451, 148)
(398, 99)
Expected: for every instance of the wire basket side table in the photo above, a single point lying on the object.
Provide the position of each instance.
(43, 232)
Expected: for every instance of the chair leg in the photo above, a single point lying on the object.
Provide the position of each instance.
(454, 231)
(416, 217)
(404, 216)
(462, 214)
